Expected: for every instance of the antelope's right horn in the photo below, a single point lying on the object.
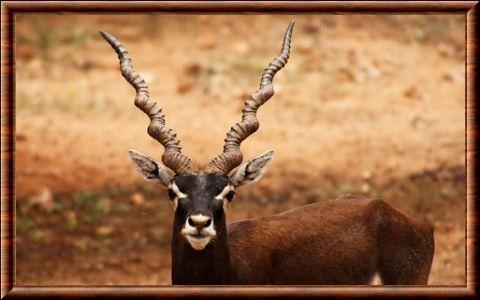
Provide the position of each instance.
(172, 157)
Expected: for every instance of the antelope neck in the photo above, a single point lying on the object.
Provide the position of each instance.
(205, 267)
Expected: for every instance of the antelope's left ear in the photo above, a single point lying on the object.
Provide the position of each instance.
(253, 170)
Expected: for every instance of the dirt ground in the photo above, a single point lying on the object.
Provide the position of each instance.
(369, 105)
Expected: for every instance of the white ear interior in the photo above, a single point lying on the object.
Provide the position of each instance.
(149, 169)
(253, 170)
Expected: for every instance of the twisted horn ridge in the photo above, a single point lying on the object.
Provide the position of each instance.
(232, 156)
(172, 157)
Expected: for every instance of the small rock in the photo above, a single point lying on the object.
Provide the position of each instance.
(447, 77)
(365, 188)
(367, 174)
(450, 76)
(80, 243)
(193, 69)
(413, 93)
(359, 77)
(137, 199)
(355, 76)
(19, 137)
(373, 71)
(104, 230)
(44, 199)
(36, 65)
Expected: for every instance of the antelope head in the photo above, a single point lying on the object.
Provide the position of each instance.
(199, 197)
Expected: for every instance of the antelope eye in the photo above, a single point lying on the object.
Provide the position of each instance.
(230, 195)
(171, 194)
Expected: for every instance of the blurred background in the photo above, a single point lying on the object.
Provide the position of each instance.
(370, 105)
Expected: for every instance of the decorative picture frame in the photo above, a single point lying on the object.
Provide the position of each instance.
(11, 8)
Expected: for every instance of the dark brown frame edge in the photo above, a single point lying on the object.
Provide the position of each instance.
(10, 8)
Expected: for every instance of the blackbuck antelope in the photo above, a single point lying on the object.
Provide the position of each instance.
(342, 241)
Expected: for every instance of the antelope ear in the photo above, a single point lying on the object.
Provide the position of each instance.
(253, 170)
(149, 168)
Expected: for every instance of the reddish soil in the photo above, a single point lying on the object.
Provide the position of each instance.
(367, 104)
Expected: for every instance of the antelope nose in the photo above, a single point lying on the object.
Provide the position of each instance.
(199, 221)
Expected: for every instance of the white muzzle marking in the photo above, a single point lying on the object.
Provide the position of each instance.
(198, 243)
(198, 239)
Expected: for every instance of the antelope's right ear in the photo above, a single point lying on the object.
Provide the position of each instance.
(149, 168)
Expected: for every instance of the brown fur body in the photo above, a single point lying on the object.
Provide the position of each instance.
(341, 241)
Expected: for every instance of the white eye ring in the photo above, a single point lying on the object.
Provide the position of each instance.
(221, 197)
(173, 186)
(179, 195)
(224, 192)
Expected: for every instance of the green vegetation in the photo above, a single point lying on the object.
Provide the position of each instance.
(348, 189)
(25, 224)
(81, 198)
(72, 225)
(447, 192)
(98, 208)
(37, 235)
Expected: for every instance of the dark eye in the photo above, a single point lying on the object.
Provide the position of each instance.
(171, 194)
(230, 196)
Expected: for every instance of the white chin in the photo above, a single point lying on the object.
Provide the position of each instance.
(198, 243)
